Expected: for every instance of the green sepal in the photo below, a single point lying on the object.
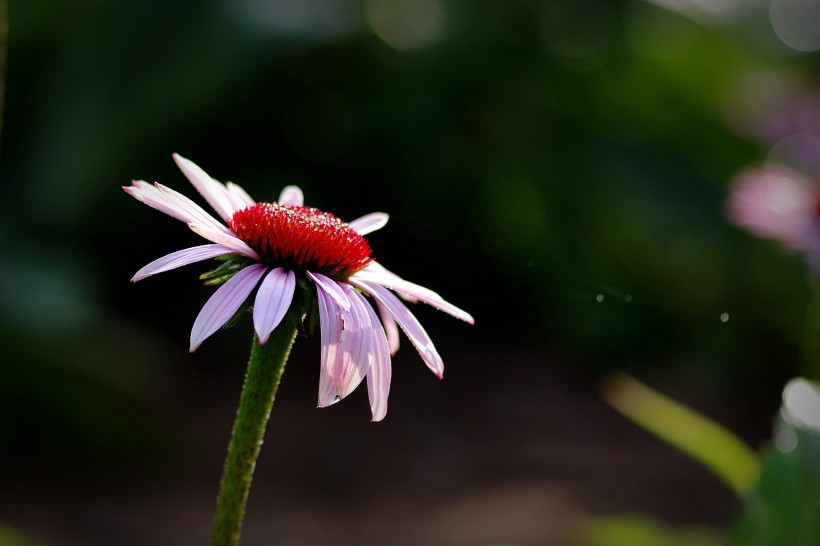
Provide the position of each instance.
(304, 310)
(311, 312)
(227, 257)
(230, 266)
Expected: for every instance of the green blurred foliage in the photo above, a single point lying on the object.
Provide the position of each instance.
(557, 168)
(642, 531)
(12, 537)
(785, 506)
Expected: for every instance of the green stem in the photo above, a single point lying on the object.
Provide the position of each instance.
(265, 367)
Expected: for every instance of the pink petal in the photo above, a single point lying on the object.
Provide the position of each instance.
(378, 378)
(214, 192)
(330, 327)
(418, 337)
(426, 295)
(166, 203)
(369, 223)
(355, 353)
(332, 289)
(379, 268)
(146, 193)
(224, 303)
(272, 301)
(291, 195)
(199, 214)
(239, 195)
(391, 329)
(180, 258)
(225, 239)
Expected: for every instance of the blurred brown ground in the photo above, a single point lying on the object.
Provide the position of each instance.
(508, 449)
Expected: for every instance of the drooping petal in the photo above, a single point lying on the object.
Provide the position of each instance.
(291, 195)
(369, 223)
(167, 203)
(180, 258)
(356, 348)
(239, 195)
(378, 378)
(331, 289)
(379, 268)
(417, 335)
(391, 329)
(225, 239)
(214, 192)
(224, 303)
(413, 290)
(273, 300)
(330, 327)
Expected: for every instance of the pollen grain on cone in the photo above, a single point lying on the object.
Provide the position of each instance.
(302, 238)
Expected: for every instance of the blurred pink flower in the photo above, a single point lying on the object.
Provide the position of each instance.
(282, 242)
(778, 203)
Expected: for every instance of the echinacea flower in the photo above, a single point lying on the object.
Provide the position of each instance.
(781, 204)
(274, 246)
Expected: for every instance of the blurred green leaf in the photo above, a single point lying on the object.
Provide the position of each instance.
(700, 438)
(785, 507)
(642, 531)
(12, 537)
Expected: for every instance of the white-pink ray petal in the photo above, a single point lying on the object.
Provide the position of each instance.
(369, 223)
(330, 328)
(332, 289)
(391, 329)
(163, 202)
(355, 353)
(214, 192)
(291, 195)
(273, 300)
(379, 268)
(144, 192)
(237, 202)
(225, 239)
(224, 303)
(239, 195)
(199, 215)
(179, 258)
(420, 293)
(408, 322)
(378, 378)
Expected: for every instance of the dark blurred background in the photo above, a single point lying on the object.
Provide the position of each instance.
(557, 168)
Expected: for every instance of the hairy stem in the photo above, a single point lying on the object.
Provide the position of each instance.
(265, 367)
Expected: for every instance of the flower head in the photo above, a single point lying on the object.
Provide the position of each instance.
(270, 248)
(781, 204)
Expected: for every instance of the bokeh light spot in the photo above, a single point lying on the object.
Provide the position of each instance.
(797, 23)
(406, 24)
(801, 404)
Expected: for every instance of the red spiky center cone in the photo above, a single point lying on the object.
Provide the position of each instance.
(301, 239)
